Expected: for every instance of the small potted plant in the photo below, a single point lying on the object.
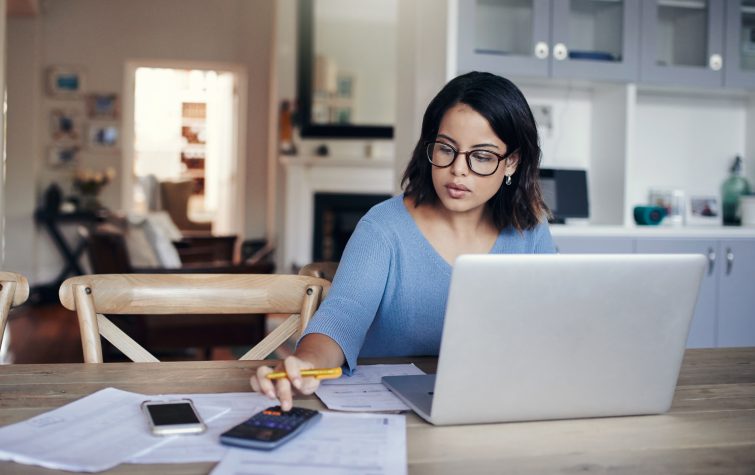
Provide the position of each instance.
(89, 184)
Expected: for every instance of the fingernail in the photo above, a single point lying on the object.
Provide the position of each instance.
(297, 383)
(270, 394)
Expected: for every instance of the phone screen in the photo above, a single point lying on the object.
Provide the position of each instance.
(172, 414)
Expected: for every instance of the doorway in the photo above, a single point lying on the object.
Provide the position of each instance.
(183, 122)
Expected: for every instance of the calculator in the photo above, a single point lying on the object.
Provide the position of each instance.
(270, 428)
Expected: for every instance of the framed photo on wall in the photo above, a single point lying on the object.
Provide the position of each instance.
(65, 125)
(104, 135)
(62, 155)
(65, 82)
(102, 106)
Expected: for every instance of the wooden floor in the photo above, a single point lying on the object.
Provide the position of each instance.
(49, 333)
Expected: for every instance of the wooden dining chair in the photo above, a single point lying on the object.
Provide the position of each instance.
(173, 295)
(14, 290)
(323, 269)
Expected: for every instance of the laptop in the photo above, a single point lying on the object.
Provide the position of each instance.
(538, 337)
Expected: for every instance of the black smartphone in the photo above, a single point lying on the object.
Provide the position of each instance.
(270, 428)
(173, 417)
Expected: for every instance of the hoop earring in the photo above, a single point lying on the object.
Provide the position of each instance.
(508, 179)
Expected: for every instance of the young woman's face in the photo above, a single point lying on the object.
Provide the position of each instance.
(458, 188)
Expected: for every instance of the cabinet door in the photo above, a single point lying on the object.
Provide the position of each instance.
(736, 296)
(702, 334)
(504, 36)
(740, 43)
(682, 42)
(595, 39)
(593, 245)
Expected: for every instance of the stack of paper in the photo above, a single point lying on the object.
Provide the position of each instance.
(339, 444)
(363, 391)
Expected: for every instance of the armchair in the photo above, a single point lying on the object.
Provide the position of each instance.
(174, 196)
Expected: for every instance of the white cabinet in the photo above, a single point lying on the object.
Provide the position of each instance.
(593, 245)
(736, 293)
(577, 39)
(725, 310)
(702, 333)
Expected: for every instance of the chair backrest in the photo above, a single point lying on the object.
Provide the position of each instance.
(324, 270)
(106, 249)
(14, 290)
(91, 296)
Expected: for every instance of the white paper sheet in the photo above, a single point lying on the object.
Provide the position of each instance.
(91, 434)
(363, 391)
(206, 447)
(339, 444)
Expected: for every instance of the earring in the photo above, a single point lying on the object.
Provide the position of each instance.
(508, 179)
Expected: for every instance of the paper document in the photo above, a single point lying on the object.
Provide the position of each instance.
(363, 391)
(206, 447)
(91, 434)
(338, 444)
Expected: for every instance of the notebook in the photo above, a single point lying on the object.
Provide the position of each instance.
(538, 337)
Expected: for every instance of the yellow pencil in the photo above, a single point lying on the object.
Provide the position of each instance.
(321, 373)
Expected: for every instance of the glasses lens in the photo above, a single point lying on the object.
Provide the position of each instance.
(483, 163)
(440, 154)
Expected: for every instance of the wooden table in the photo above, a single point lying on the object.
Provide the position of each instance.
(710, 428)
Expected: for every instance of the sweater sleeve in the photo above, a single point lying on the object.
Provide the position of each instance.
(543, 240)
(357, 290)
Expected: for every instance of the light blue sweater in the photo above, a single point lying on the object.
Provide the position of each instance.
(388, 297)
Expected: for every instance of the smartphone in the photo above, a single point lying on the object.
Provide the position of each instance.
(270, 428)
(173, 417)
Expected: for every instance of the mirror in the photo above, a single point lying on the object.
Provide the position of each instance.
(347, 68)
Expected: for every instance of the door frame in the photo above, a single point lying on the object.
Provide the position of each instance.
(127, 162)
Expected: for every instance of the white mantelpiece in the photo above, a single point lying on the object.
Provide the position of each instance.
(307, 176)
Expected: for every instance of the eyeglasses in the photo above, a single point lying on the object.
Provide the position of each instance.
(480, 162)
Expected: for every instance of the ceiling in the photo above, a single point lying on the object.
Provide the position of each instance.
(22, 7)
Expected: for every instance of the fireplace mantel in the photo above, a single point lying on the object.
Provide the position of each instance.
(305, 176)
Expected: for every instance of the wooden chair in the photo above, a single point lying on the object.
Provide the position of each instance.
(323, 270)
(91, 296)
(14, 290)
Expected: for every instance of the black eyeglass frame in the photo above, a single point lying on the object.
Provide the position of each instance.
(430, 145)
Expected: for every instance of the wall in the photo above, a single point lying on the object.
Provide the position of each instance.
(2, 134)
(101, 37)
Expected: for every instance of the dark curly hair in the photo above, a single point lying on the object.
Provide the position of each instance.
(497, 99)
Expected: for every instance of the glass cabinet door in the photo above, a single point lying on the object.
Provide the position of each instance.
(504, 36)
(596, 39)
(740, 43)
(682, 42)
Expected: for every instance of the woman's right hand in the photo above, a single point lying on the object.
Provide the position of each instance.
(283, 388)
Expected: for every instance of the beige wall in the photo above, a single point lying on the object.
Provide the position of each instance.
(101, 36)
(2, 135)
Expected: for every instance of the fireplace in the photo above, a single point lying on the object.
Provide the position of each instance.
(336, 217)
(360, 183)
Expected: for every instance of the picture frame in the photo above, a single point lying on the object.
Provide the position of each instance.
(102, 106)
(104, 135)
(673, 201)
(65, 125)
(62, 155)
(703, 210)
(65, 82)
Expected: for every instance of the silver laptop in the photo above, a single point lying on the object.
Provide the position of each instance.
(536, 337)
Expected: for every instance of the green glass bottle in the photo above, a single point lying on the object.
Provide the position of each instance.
(734, 187)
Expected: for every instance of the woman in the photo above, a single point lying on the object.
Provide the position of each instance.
(471, 186)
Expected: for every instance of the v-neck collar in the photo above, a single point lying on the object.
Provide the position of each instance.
(425, 244)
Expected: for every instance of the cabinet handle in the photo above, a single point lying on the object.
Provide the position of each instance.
(715, 62)
(560, 52)
(729, 260)
(711, 260)
(541, 50)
